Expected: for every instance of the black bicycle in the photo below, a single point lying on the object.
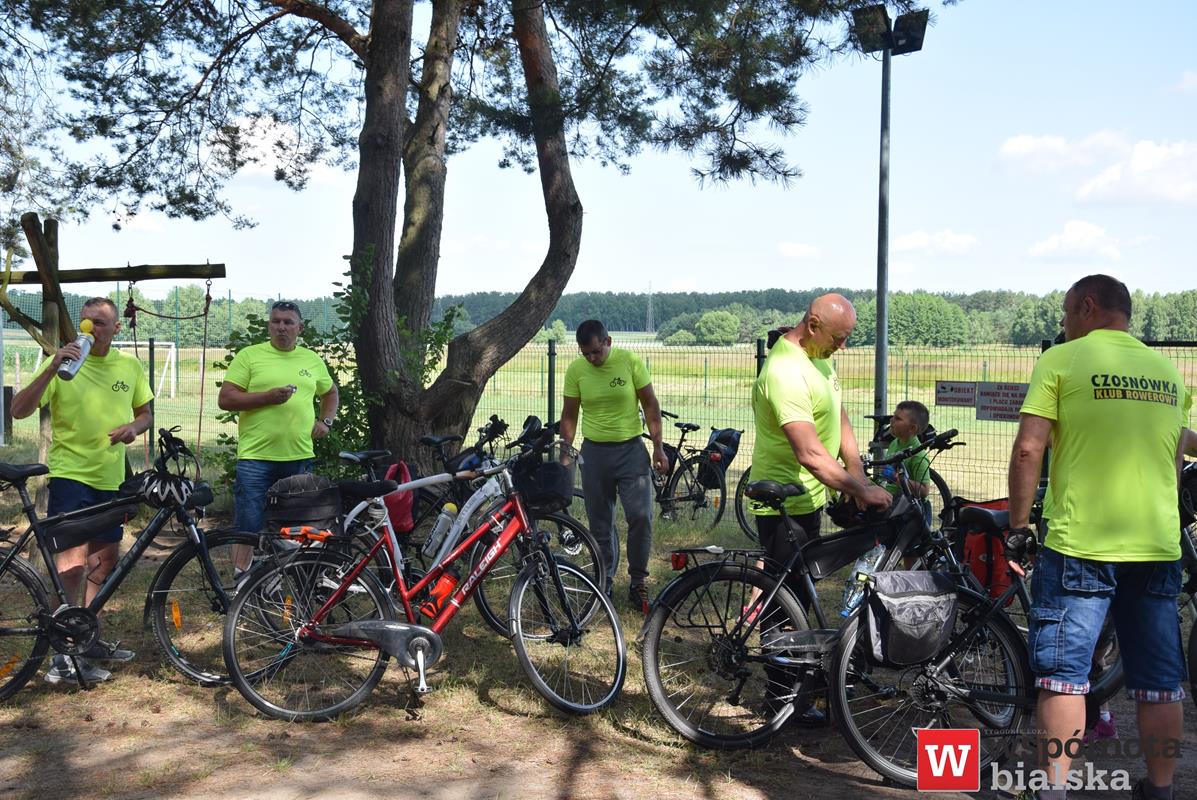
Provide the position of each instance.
(31, 623)
(694, 489)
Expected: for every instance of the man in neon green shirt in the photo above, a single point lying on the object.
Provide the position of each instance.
(610, 385)
(274, 386)
(92, 417)
(1114, 411)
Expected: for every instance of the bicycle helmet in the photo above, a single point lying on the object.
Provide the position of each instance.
(164, 489)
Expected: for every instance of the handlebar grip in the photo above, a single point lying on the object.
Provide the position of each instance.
(668, 415)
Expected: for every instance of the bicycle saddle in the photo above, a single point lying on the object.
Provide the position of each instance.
(14, 473)
(983, 519)
(686, 426)
(772, 493)
(437, 441)
(353, 491)
(362, 456)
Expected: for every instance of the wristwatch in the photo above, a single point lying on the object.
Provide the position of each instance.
(328, 422)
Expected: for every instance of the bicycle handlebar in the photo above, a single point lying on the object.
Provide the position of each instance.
(941, 441)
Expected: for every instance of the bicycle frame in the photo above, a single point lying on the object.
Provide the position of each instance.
(123, 567)
(515, 521)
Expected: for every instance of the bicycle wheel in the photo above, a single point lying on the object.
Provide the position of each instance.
(295, 678)
(568, 540)
(880, 709)
(705, 673)
(743, 516)
(940, 500)
(696, 494)
(185, 612)
(578, 667)
(23, 644)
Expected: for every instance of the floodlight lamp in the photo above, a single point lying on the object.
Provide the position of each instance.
(871, 26)
(909, 30)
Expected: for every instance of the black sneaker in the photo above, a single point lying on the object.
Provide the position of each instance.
(103, 651)
(638, 597)
(61, 671)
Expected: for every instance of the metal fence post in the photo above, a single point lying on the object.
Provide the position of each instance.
(152, 389)
(552, 417)
(706, 380)
(760, 355)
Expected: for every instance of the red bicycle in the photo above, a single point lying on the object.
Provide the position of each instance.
(311, 632)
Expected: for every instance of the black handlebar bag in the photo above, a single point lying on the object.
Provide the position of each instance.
(910, 615)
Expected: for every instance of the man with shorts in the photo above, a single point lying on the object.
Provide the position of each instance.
(274, 386)
(801, 429)
(1113, 410)
(92, 417)
(612, 385)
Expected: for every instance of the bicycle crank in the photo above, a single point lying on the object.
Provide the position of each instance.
(415, 646)
(72, 630)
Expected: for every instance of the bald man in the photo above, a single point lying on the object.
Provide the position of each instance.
(801, 428)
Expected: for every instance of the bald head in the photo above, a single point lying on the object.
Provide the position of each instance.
(826, 326)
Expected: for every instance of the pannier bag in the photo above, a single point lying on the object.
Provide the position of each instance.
(74, 532)
(400, 504)
(301, 500)
(544, 486)
(724, 443)
(910, 615)
(986, 555)
(670, 455)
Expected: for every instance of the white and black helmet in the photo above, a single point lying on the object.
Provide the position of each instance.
(163, 489)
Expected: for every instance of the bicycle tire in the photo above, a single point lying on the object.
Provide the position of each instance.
(859, 690)
(695, 670)
(184, 611)
(940, 499)
(578, 672)
(22, 604)
(289, 678)
(747, 521)
(568, 539)
(687, 498)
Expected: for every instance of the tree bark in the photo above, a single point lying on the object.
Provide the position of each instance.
(449, 403)
(375, 202)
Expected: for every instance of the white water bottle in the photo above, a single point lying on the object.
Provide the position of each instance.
(865, 566)
(70, 366)
(444, 521)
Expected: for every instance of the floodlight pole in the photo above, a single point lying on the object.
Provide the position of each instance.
(881, 359)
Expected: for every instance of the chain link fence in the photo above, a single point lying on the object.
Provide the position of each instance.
(709, 386)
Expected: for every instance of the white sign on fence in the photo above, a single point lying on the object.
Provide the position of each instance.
(1000, 401)
(955, 393)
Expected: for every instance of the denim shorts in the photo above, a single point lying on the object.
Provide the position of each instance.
(1071, 597)
(70, 495)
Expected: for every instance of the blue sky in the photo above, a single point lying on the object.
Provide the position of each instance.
(1032, 143)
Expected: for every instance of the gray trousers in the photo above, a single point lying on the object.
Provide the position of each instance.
(623, 469)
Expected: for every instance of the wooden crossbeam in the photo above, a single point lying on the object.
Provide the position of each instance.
(141, 272)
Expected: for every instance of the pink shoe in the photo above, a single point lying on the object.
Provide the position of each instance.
(1106, 729)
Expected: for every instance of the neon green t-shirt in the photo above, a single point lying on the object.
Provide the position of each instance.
(278, 432)
(100, 398)
(793, 388)
(918, 466)
(1117, 409)
(610, 409)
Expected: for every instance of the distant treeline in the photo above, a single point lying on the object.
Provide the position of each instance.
(923, 318)
(716, 318)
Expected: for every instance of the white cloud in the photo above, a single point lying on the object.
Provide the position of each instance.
(1188, 81)
(797, 250)
(945, 241)
(1151, 172)
(1112, 168)
(1079, 239)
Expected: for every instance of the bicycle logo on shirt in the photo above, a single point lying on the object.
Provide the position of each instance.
(616, 381)
(120, 386)
(305, 373)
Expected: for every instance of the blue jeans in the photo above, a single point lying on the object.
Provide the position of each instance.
(1070, 599)
(254, 478)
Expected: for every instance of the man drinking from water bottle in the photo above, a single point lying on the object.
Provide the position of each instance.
(93, 415)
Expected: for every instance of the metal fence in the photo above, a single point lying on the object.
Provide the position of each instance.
(710, 386)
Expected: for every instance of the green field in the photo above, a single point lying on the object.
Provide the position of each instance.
(709, 386)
